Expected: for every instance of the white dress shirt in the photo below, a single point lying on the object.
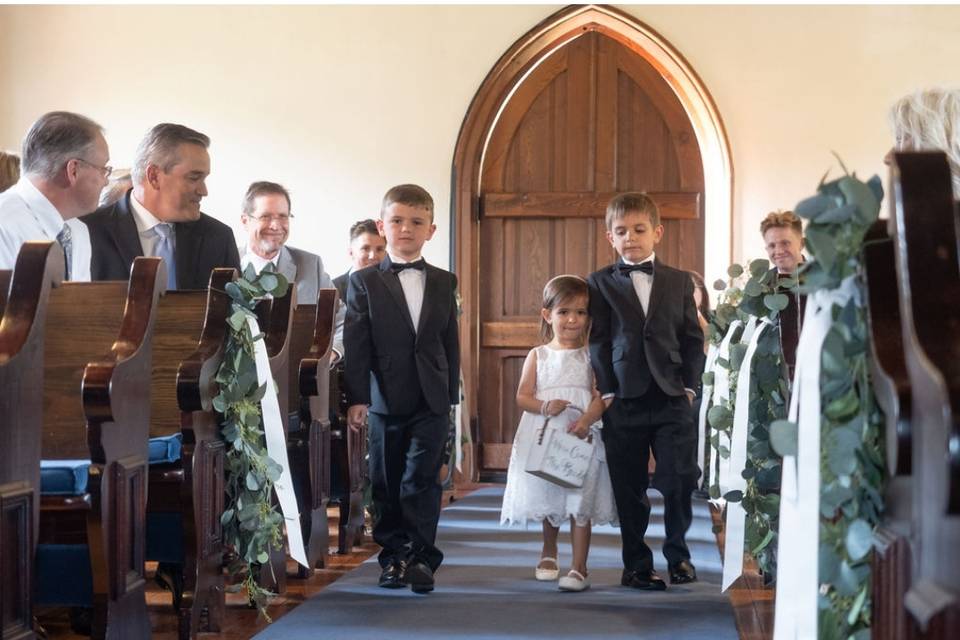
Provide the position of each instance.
(146, 221)
(249, 257)
(26, 215)
(642, 282)
(413, 282)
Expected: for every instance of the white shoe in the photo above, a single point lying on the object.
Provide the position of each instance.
(574, 581)
(547, 575)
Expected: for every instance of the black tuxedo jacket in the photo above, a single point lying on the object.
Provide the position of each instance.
(341, 282)
(202, 245)
(630, 350)
(388, 365)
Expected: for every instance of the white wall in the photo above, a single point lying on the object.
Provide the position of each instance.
(339, 103)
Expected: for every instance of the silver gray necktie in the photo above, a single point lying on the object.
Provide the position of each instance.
(65, 238)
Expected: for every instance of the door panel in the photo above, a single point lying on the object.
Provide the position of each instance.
(593, 119)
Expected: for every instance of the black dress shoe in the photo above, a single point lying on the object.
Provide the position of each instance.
(683, 573)
(644, 580)
(420, 577)
(393, 575)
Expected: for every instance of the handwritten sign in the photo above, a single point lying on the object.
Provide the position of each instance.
(560, 457)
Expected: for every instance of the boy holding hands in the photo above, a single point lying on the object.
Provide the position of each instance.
(646, 348)
(402, 375)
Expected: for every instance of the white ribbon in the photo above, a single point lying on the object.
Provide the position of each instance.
(734, 530)
(277, 449)
(706, 394)
(798, 583)
(721, 395)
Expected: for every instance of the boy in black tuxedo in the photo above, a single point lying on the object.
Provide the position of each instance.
(402, 373)
(646, 348)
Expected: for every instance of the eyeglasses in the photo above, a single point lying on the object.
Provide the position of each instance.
(106, 170)
(267, 218)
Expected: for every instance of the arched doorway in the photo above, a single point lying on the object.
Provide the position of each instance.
(588, 103)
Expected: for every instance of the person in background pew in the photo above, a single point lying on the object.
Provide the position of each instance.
(403, 371)
(9, 170)
(367, 248)
(120, 183)
(266, 219)
(929, 120)
(160, 216)
(782, 233)
(64, 168)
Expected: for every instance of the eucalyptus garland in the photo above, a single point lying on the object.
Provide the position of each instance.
(251, 523)
(760, 296)
(851, 465)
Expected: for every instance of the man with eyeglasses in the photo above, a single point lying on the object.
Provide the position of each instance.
(160, 216)
(266, 219)
(64, 167)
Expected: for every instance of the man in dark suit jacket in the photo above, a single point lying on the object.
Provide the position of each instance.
(646, 348)
(403, 366)
(161, 215)
(367, 248)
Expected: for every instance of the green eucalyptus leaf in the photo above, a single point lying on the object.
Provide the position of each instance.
(859, 539)
(268, 281)
(752, 289)
(720, 417)
(733, 496)
(735, 271)
(783, 437)
(759, 267)
(776, 302)
(814, 206)
(719, 285)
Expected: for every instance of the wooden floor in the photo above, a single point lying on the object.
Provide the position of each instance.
(752, 603)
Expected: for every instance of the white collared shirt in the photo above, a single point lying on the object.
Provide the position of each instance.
(642, 282)
(413, 282)
(146, 221)
(249, 257)
(26, 215)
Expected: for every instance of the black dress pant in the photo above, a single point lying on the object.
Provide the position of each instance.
(631, 428)
(406, 453)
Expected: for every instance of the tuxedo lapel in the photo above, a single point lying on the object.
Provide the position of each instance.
(189, 238)
(625, 283)
(430, 292)
(658, 288)
(392, 283)
(125, 232)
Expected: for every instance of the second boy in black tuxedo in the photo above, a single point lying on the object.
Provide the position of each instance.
(402, 372)
(646, 348)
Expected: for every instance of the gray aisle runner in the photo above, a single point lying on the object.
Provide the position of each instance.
(486, 589)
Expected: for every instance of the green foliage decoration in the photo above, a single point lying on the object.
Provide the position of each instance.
(755, 291)
(251, 523)
(851, 465)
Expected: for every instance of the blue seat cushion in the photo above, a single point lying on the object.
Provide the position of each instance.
(64, 477)
(63, 575)
(166, 449)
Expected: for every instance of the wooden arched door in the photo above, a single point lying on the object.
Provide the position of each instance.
(588, 119)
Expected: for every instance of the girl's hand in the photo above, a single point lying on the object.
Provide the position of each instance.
(554, 407)
(580, 428)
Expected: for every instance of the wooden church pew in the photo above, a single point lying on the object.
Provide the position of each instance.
(96, 395)
(186, 494)
(309, 443)
(928, 273)
(21, 375)
(891, 383)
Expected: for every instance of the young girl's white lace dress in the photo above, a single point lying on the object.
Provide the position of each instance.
(561, 375)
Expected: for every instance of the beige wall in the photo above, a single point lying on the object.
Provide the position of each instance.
(339, 103)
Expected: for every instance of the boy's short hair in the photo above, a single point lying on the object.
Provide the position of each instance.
(361, 227)
(411, 195)
(632, 202)
(783, 220)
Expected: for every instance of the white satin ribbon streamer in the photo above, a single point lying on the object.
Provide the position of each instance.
(731, 474)
(798, 582)
(734, 530)
(721, 394)
(706, 395)
(277, 449)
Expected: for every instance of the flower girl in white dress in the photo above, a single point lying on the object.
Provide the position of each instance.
(557, 375)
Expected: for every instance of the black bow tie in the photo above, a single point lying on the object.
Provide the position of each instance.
(397, 267)
(645, 267)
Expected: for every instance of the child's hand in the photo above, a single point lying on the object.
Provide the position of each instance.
(554, 407)
(580, 428)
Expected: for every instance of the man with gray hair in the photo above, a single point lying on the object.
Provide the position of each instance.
(160, 215)
(64, 167)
